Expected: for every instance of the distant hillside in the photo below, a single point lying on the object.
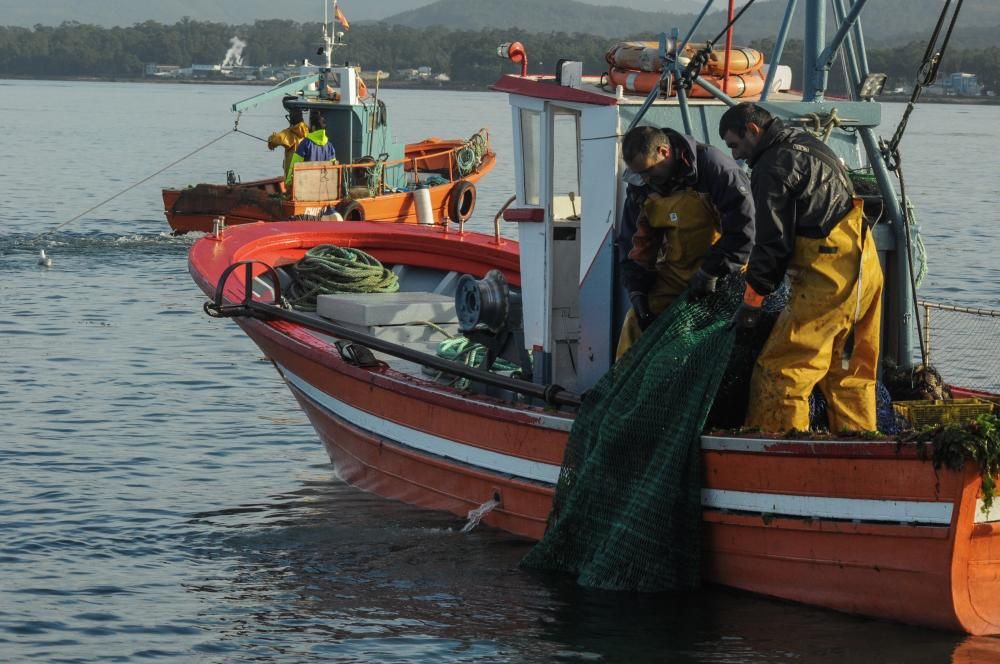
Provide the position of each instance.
(234, 12)
(886, 22)
(569, 16)
(108, 13)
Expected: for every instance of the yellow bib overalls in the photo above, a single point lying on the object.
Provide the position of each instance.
(690, 228)
(829, 297)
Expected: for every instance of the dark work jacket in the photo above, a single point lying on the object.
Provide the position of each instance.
(709, 171)
(795, 193)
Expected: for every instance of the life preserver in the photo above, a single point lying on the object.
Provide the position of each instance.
(351, 210)
(362, 88)
(738, 85)
(644, 56)
(461, 201)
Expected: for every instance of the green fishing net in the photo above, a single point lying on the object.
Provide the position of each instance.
(627, 508)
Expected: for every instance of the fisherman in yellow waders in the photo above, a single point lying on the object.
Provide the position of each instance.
(688, 220)
(289, 138)
(810, 226)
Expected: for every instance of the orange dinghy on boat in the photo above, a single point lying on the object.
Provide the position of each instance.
(637, 67)
(735, 85)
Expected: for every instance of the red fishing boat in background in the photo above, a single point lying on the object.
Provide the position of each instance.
(862, 526)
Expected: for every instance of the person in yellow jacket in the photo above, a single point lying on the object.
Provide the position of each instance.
(810, 226)
(687, 221)
(289, 138)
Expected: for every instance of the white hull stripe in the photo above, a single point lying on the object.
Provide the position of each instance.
(851, 509)
(490, 462)
(893, 511)
(728, 444)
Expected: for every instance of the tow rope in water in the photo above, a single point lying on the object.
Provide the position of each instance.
(133, 186)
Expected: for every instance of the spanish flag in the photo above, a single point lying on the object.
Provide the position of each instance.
(339, 15)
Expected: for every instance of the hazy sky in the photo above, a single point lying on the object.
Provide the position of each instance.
(127, 12)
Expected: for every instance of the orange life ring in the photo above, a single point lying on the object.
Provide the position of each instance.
(362, 88)
(738, 85)
(645, 56)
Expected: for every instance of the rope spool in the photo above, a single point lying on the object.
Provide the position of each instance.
(327, 268)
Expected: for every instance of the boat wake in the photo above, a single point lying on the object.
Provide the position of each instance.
(27, 246)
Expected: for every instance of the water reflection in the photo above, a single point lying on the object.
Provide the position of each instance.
(351, 575)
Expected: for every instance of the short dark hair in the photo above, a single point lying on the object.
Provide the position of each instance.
(294, 116)
(738, 117)
(642, 141)
(316, 120)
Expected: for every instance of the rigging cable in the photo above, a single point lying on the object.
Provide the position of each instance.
(691, 71)
(700, 59)
(926, 75)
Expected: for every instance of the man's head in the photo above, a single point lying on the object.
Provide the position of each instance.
(647, 153)
(316, 120)
(294, 116)
(741, 128)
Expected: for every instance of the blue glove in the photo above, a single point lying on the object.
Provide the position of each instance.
(701, 284)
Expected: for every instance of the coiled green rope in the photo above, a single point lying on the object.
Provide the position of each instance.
(327, 268)
(461, 349)
(470, 155)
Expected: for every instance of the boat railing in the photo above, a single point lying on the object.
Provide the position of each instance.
(459, 160)
(963, 343)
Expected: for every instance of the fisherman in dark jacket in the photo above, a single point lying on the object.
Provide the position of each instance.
(688, 220)
(810, 226)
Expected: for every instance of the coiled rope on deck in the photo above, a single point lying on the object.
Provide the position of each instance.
(469, 156)
(327, 268)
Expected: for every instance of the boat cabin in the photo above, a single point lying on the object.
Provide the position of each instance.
(570, 193)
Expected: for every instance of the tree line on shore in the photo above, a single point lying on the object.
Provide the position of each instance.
(468, 57)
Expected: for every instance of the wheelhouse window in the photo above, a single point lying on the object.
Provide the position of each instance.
(566, 203)
(531, 155)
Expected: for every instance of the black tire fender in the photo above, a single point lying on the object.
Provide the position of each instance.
(461, 201)
(351, 210)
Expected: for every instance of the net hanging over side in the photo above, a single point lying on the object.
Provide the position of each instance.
(627, 508)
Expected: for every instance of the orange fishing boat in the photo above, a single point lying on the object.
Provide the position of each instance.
(864, 526)
(373, 179)
(358, 192)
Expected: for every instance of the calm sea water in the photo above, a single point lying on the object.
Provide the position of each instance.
(164, 498)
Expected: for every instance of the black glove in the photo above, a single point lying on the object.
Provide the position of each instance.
(701, 284)
(640, 305)
(747, 316)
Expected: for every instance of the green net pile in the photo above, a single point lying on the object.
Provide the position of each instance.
(627, 509)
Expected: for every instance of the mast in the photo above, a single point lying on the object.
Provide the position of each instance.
(330, 42)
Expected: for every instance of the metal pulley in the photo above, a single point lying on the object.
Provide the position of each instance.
(487, 304)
